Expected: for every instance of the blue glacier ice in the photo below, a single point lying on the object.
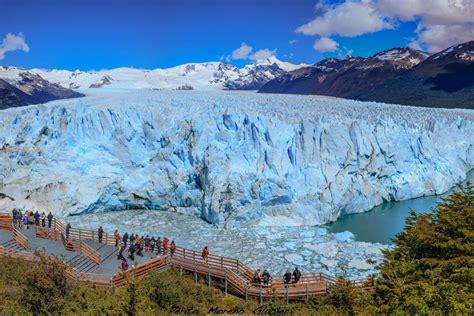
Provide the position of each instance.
(231, 158)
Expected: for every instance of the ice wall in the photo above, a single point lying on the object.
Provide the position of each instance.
(230, 158)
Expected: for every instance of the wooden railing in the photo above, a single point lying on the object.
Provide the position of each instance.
(83, 234)
(20, 238)
(79, 245)
(90, 253)
(6, 221)
(47, 233)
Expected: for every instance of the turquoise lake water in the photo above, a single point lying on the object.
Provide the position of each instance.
(383, 222)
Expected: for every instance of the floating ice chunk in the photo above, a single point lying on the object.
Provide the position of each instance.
(295, 259)
(321, 231)
(329, 263)
(344, 236)
(325, 249)
(359, 264)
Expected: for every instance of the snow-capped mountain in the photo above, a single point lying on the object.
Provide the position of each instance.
(445, 79)
(399, 75)
(344, 77)
(20, 87)
(199, 76)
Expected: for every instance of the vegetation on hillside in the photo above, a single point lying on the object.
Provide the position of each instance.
(429, 271)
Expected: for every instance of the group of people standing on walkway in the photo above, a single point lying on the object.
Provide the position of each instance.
(265, 278)
(27, 218)
(137, 245)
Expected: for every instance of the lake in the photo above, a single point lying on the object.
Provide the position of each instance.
(383, 222)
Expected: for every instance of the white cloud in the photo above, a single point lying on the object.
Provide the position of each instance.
(441, 22)
(325, 44)
(347, 19)
(435, 38)
(13, 42)
(242, 52)
(293, 42)
(263, 54)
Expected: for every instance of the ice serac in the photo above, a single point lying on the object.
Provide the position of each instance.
(231, 158)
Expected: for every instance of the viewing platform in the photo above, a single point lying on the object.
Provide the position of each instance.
(96, 263)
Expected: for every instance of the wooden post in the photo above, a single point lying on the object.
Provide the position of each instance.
(286, 292)
(246, 296)
(195, 274)
(261, 298)
(209, 277)
(307, 293)
(225, 283)
(180, 268)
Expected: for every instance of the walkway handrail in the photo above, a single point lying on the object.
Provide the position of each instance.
(47, 233)
(20, 238)
(90, 252)
(6, 222)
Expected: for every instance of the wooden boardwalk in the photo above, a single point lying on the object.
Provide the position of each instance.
(96, 263)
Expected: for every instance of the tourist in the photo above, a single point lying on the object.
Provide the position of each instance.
(31, 218)
(14, 216)
(165, 246)
(131, 251)
(43, 219)
(296, 275)
(68, 229)
(124, 264)
(287, 277)
(120, 253)
(158, 247)
(139, 246)
(152, 244)
(116, 237)
(132, 239)
(100, 234)
(25, 220)
(205, 254)
(125, 239)
(147, 243)
(36, 217)
(256, 277)
(266, 277)
(50, 219)
(173, 247)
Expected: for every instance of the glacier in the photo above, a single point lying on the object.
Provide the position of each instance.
(233, 159)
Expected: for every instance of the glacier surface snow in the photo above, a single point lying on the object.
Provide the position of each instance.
(231, 158)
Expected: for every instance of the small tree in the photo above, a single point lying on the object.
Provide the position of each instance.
(46, 285)
(430, 270)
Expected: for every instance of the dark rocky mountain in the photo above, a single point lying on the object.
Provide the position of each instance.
(445, 79)
(29, 88)
(105, 80)
(400, 75)
(343, 77)
(11, 96)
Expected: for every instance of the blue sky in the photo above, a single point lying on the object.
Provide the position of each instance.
(96, 34)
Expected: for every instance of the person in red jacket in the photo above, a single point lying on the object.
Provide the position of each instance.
(165, 246)
(116, 237)
(205, 254)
